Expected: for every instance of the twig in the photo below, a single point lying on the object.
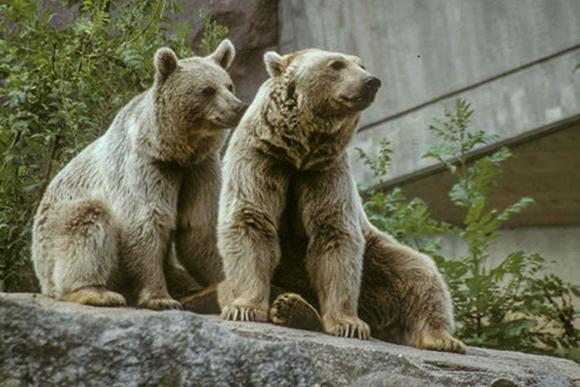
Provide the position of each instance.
(153, 17)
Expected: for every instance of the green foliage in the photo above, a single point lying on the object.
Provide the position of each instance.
(516, 304)
(61, 89)
(379, 163)
(408, 221)
(213, 33)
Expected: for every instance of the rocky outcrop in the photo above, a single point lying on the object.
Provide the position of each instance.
(44, 342)
(253, 28)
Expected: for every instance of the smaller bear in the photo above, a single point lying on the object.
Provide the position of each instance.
(290, 215)
(139, 204)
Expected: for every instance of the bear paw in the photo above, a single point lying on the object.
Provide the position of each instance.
(96, 296)
(160, 303)
(244, 313)
(440, 341)
(347, 326)
(291, 310)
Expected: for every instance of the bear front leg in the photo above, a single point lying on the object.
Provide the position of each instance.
(335, 249)
(196, 236)
(250, 249)
(251, 202)
(146, 247)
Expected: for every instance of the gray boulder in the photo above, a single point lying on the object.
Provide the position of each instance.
(44, 342)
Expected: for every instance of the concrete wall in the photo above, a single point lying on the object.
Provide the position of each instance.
(513, 60)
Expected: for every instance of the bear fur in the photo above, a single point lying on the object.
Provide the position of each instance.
(124, 217)
(290, 214)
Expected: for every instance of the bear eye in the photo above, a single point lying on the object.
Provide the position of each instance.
(337, 65)
(362, 66)
(208, 91)
(231, 87)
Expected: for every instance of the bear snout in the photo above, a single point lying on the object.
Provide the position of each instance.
(371, 83)
(233, 115)
(241, 108)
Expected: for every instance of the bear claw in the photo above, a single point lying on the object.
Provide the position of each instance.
(352, 331)
(161, 304)
(238, 313)
(438, 341)
(351, 327)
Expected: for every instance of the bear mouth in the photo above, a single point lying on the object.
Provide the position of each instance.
(360, 101)
(225, 123)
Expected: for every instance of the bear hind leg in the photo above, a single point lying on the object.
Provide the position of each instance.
(429, 317)
(430, 325)
(84, 251)
(405, 297)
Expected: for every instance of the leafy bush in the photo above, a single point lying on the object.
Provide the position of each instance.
(517, 304)
(60, 89)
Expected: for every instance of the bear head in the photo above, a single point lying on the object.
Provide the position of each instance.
(325, 83)
(196, 94)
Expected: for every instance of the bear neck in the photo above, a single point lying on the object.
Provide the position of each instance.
(161, 137)
(306, 138)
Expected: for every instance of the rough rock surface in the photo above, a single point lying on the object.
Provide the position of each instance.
(44, 342)
(253, 28)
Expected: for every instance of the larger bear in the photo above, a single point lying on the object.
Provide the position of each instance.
(290, 214)
(115, 222)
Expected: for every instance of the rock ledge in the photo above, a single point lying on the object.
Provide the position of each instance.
(44, 342)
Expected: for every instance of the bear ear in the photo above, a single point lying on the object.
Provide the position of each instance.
(224, 54)
(165, 63)
(275, 63)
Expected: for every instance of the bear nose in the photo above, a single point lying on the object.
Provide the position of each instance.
(241, 107)
(372, 83)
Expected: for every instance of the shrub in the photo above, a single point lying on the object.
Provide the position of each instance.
(517, 304)
(60, 89)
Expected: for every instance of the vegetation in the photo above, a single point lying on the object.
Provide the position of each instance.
(516, 304)
(60, 89)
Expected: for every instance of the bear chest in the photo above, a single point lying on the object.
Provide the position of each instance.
(308, 151)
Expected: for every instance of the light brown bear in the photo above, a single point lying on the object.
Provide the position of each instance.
(142, 199)
(290, 214)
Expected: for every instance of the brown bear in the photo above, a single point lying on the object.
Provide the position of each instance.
(140, 203)
(290, 215)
